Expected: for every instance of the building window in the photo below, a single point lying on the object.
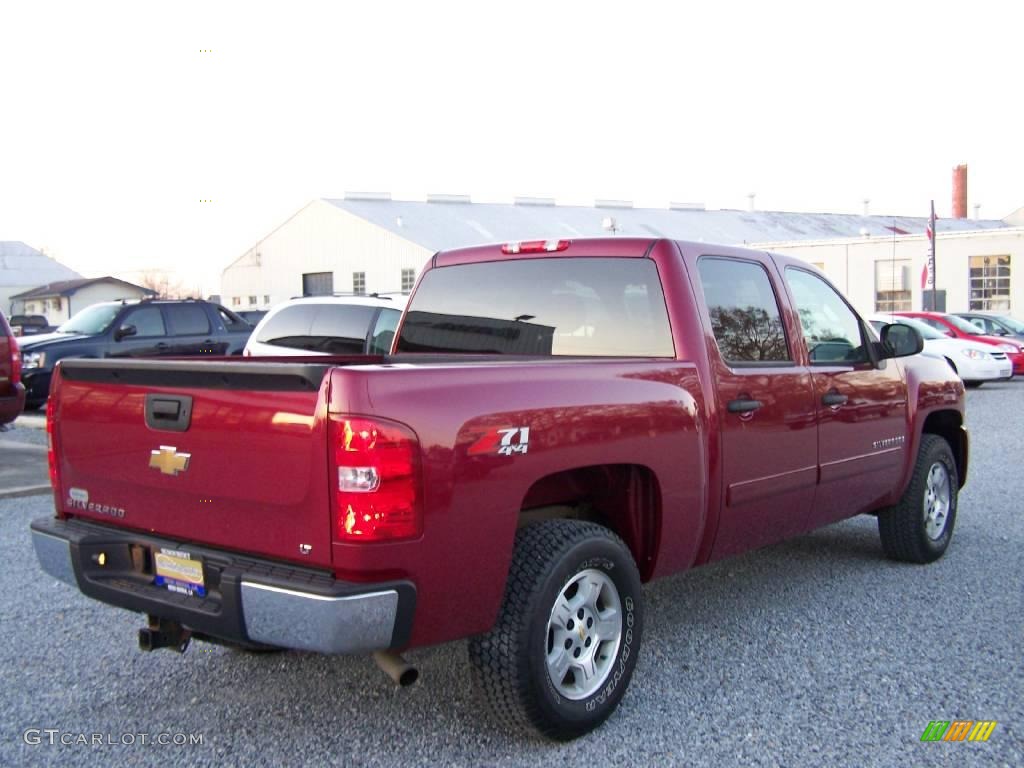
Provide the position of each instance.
(266, 298)
(252, 301)
(358, 283)
(408, 280)
(990, 282)
(318, 284)
(236, 301)
(55, 304)
(892, 285)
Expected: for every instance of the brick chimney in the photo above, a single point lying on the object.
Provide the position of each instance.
(960, 192)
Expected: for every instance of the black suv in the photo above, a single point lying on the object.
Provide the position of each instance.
(146, 328)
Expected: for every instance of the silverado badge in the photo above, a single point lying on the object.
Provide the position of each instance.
(168, 460)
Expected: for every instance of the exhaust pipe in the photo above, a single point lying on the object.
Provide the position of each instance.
(162, 633)
(397, 668)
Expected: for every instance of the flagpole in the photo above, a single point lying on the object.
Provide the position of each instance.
(931, 256)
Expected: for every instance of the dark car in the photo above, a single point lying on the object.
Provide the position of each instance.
(147, 328)
(29, 325)
(252, 316)
(12, 391)
(994, 324)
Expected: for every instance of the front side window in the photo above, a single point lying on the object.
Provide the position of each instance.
(744, 312)
(592, 307)
(831, 329)
(147, 322)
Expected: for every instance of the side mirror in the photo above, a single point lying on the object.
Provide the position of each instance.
(900, 340)
(124, 331)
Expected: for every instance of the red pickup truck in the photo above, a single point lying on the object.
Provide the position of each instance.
(559, 422)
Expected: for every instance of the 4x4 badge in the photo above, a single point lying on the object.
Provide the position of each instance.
(168, 460)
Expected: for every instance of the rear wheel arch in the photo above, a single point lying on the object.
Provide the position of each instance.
(624, 498)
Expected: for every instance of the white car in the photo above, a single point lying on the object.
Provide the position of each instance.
(328, 325)
(974, 363)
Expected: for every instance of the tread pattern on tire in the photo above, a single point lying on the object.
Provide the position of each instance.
(495, 655)
(900, 526)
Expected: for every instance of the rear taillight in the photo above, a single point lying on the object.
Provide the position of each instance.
(51, 444)
(376, 480)
(535, 246)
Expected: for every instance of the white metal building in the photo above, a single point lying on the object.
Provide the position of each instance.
(23, 267)
(974, 270)
(371, 243)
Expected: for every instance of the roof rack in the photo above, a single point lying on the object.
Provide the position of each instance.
(373, 295)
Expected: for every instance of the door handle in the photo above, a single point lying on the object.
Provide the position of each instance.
(162, 345)
(833, 399)
(743, 406)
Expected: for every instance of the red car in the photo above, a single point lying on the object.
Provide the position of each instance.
(12, 391)
(958, 328)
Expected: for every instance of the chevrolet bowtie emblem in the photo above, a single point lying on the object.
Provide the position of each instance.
(168, 460)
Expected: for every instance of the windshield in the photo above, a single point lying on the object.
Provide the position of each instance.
(91, 320)
(964, 325)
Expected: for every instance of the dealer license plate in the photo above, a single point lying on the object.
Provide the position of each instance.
(179, 572)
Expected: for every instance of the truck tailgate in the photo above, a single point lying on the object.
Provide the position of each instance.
(249, 471)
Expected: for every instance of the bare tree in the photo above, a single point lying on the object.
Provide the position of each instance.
(167, 285)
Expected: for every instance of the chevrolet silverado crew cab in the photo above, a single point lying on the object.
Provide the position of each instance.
(558, 422)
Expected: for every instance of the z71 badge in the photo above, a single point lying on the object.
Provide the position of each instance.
(505, 442)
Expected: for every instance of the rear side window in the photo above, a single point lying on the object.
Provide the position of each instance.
(335, 329)
(384, 331)
(187, 319)
(587, 307)
(744, 311)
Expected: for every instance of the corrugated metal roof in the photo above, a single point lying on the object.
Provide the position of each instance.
(22, 265)
(444, 225)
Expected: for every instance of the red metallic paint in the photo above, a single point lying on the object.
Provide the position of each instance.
(694, 481)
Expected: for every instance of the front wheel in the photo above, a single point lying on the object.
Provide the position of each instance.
(561, 654)
(920, 527)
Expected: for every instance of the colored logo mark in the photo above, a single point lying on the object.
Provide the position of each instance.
(958, 730)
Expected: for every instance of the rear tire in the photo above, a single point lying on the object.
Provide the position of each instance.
(919, 528)
(973, 384)
(560, 656)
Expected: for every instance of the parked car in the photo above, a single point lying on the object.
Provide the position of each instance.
(641, 406)
(993, 324)
(29, 325)
(328, 325)
(146, 328)
(957, 328)
(252, 316)
(12, 390)
(975, 363)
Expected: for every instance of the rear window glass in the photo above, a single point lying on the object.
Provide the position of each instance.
(587, 307)
(335, 329)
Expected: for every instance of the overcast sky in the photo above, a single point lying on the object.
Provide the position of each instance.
(115, 122)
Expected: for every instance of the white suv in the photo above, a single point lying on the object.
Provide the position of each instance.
(328, 325)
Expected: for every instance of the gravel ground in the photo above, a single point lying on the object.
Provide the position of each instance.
(814, 652)
(22, 434)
